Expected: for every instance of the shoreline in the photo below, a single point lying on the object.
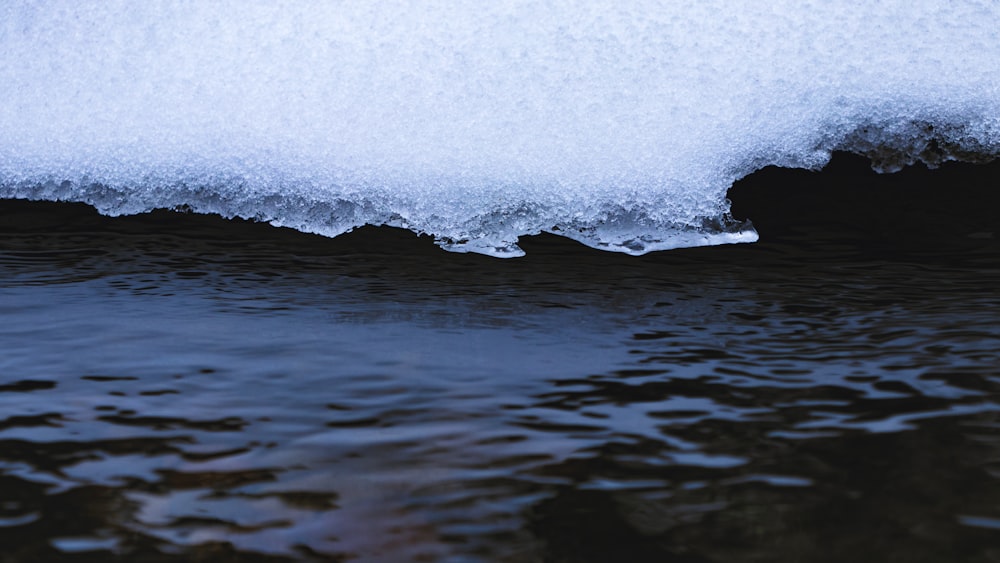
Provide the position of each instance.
(952, 206)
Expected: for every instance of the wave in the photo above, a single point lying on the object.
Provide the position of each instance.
(621, 127)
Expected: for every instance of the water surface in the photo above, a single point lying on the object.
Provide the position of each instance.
(177, 387)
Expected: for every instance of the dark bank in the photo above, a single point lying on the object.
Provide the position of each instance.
(177, 387)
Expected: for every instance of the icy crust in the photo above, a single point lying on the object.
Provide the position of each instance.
(614, 226)
(629, 225)
(620, 126)
(890, 149)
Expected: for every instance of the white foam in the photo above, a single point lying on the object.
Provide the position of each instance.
(618, 124)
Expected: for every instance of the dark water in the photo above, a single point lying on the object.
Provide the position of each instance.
(183, 388)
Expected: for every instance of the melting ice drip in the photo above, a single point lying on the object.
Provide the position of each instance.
(620, 125)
